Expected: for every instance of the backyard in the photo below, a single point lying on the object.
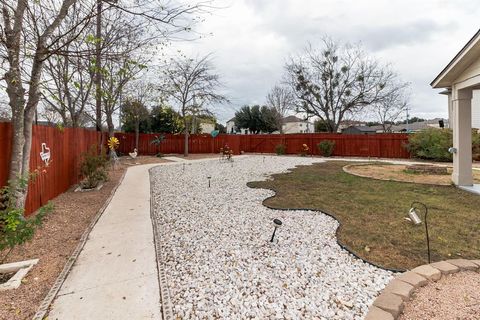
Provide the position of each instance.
(372, 213)
(218, 258)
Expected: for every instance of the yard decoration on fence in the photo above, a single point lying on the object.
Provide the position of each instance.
(45, 154)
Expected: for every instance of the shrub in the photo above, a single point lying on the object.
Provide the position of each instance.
(15, 229)
(280, 149)
(326, 147)
(431, 144)
(93, 168)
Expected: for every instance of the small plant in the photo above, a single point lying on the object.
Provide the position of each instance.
(304, 150)
(326, 147)
(15, 229)
(280, 149)
(93, 168)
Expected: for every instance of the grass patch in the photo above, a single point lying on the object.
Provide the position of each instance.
(372, 214)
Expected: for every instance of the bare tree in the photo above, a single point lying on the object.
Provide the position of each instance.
(193, 85)
(282, 99)
(337, 81)
(28, 37)
(67, 89)
(389, 109)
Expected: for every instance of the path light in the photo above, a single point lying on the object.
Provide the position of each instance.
(277, 224)
(209, 177)
(412, 214)
(263, 159)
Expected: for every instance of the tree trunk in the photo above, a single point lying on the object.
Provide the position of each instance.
(111, 127)
(98, 66)
(186, 135)
(137, 133)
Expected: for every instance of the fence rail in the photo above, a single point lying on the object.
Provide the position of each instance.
(67, 146)
(374, 145)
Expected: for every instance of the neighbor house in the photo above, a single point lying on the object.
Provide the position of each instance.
(230, 126)
(293, 124)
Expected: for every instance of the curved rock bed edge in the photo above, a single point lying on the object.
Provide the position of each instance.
(390, 303)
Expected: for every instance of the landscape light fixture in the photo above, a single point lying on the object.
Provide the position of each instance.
(277, 224)
(412, 214)
(209, 177)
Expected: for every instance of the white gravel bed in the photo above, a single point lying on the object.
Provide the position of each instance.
(218, 258)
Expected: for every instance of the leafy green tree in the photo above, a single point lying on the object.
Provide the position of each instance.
(269, 119)
(321, 126)
(248, 117)
(163, 119)
(221, 128)
(257, 119)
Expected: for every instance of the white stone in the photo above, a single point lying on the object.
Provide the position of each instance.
(217, 241)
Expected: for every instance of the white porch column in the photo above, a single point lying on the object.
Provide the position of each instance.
(462, 137)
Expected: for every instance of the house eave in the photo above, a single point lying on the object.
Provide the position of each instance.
(458, 64)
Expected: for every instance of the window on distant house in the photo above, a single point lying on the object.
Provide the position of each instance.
(301, 131)
(301, 124)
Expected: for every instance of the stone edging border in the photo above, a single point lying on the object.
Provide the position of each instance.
(52, 293)
(348, 166)
(165, 301)
(390, 303)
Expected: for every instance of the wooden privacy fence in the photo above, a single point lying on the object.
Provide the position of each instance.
(373, 145)
(66, 147)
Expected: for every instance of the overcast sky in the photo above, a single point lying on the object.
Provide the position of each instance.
(252, 39)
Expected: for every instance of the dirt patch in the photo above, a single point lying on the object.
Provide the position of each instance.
(452, 297)
(399, 172)
(55, 241)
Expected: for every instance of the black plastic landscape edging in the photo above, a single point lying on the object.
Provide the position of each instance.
(336, 231)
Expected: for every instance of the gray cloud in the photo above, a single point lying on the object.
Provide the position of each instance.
(253, 39)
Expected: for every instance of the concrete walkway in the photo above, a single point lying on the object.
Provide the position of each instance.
(115, 276)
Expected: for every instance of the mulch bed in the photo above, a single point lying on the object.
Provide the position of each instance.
(55, 241)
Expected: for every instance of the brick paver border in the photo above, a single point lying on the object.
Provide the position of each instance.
(389, 304)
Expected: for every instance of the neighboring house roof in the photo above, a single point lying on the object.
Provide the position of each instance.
(361, 128)
(292, 119)
(351, 122)
(464, 58)
(414, 126)
(231, 120)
